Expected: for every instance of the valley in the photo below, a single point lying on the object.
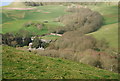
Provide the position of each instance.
(60, 40)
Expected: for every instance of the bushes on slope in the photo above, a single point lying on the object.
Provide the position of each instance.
(83, 19)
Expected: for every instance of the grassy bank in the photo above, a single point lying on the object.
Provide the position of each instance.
(24, 65)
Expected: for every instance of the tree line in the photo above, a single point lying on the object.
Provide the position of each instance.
(16, 40)
(83, 20)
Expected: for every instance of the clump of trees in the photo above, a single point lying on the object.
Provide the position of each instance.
(18, 39)
(77, 46)
(23, 39)
(36, 43)
(83, 19)
(32, 3)
(28, 24)
(37, 25)
(9, 39)
(94, 58)
(78, 42)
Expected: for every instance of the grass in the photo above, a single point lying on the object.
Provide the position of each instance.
(13, 20)
(54, 11)
(109, 12)
(108, 32)
(12, 26)
(50, 37)
(16, 4)
(16, 25)
(5, 18)
(38, 13)
(18, 64)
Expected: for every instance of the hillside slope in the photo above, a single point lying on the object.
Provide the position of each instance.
(109, 12)
(108, 32)
(18, 64)
(16, 4)
(15, 19)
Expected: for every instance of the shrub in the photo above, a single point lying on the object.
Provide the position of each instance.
(46, 21)
(13, 43)
(19, 40)
(75, 43)
(28, 24)
(102, 45)
(31, 3)
(7, 38)
(83, 19)
(26, 41)
(91, 57)
(44, 45)
(15, 40)
(36, 43)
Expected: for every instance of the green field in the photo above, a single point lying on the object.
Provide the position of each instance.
(109, 12)
(50, 37)
(108, 32)
(25, 65)
(13, 20)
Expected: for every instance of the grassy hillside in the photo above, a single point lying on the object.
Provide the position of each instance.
(50, 37)
(13, 20)
(109, 12)
(5, 18)
(24, 65)
(108, 32)
(16, 4)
